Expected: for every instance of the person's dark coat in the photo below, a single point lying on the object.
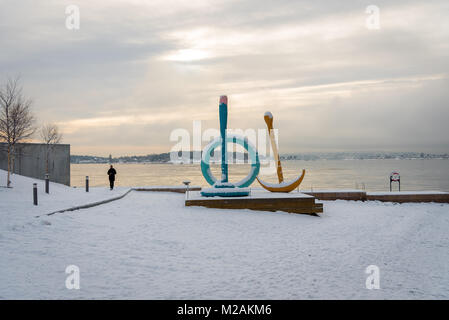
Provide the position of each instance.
(111, 174)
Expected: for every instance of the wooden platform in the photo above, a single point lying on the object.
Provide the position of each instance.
(294, 202)
(355, 195)
(409, 196)
(385, 196)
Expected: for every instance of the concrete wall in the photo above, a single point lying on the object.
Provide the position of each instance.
(30, 161)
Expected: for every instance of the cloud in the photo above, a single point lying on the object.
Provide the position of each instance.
(139, 69)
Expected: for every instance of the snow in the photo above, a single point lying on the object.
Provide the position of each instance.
(225, 192)
(255, 193)
(334, 191)
(220, 184)
(20, 197)
(150, 246)
(282, 184)
(268, 114)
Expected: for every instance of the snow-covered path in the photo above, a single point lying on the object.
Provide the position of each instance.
(149, 246)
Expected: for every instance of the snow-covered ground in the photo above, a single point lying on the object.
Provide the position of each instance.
(150, 246)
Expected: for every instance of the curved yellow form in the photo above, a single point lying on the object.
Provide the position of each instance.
(284, 186)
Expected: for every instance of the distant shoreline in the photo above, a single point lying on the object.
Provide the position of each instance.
(320, 159)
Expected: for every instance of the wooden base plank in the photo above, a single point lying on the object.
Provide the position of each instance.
(262, 201)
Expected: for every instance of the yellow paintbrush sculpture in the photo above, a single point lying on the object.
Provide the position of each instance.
(282, 186)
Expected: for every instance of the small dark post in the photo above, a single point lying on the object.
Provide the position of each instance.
(35, 194)
(87, 183)
(186, 183)
(47, 183)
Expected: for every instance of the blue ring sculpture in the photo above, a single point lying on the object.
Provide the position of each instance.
(224, 188)
(237, 139)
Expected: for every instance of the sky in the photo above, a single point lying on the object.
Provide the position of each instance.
(135, 71)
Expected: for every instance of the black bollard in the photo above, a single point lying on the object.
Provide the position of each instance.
(186, 183)
(47, 183)
(35, 194)
(87, 183)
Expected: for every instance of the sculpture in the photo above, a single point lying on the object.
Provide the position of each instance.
(223, 187)
(283, 186)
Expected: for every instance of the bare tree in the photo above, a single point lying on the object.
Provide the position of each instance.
(50, 135)
(16, 119)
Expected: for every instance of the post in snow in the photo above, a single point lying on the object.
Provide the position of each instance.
(47, 183)
(35, 194)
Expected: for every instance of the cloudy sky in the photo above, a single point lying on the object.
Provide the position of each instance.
(137, 70)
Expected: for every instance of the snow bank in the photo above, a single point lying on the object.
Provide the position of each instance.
(18, 200)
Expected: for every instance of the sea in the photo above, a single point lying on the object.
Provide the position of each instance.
(369, 175)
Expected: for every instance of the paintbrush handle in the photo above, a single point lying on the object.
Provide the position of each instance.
(268, 117)
(223, 112)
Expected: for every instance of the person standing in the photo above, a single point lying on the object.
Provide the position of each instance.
(111, 174)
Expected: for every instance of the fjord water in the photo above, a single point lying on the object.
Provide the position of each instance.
(373, 175)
